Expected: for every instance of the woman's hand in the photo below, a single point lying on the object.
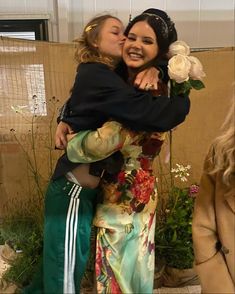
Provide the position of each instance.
(61, 133)
(70, 136)
(147, 79)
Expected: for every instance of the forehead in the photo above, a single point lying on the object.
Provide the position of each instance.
(112, 23)
(143, 28)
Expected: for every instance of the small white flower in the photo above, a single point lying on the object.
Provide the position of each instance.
(181, 172)
(18, 108)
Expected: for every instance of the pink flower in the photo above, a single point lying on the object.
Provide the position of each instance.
(193, 190)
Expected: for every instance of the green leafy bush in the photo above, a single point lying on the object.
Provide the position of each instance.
(23, 227)
(23, 236)
(173, 238)
(174, 231)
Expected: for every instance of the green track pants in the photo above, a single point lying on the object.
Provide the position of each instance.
(69, 210)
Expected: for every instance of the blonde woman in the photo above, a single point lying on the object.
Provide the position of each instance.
(214, 214)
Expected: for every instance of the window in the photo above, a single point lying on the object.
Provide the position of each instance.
(32, 29)
(22, 83)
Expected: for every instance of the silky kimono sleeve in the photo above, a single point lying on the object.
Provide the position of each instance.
(152, 146)
(91, 146)
(210, 263)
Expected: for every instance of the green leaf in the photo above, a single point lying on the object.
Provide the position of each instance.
(187, 86)
(197, 84)
(174, 238)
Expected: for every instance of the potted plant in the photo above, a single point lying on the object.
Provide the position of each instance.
(22, 226)
(173, 237)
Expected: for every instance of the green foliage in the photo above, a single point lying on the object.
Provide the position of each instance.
(197, 84)
(2, 240)
(17, 231)
(25, 236)
(186, 86)
(173, 231)
(23, 228)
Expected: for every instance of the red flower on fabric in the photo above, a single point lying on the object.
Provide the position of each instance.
(145, 163)
(98, 261)
(151, 220)
(143, 186)
(121, 177)
(151, 247)
(115, 289)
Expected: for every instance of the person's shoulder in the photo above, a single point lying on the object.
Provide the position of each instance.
(100, 73)
(94, 71)
(93, 66)
(209, 159)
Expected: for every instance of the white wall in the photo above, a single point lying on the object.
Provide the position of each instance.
(201, 23)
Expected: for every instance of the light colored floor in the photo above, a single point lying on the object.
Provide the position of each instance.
(5, 289)
(184, 290)
(163, 290)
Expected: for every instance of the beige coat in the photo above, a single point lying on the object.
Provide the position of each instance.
(214, 224)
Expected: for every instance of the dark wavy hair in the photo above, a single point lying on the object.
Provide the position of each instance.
(166, 33)
(162, 25)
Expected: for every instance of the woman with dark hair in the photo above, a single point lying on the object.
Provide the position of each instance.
(165, 32)
(98, 95)
(126, 217)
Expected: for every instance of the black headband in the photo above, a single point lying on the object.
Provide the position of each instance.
(165, 28)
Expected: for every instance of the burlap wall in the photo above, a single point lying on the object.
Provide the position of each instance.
(209, 106)
(35, 81)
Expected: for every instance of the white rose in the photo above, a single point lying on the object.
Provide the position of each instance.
(179, 47)
(178, 68)
(196, 71)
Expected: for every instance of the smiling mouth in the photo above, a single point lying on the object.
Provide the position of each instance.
(135, 56)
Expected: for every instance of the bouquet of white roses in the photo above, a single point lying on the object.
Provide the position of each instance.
(185, 71)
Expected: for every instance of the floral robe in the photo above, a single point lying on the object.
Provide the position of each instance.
(126, 217)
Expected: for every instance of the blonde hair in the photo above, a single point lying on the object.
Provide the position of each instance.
(86, 50)
(224, 147)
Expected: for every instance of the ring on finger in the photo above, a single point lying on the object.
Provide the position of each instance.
(148, 86)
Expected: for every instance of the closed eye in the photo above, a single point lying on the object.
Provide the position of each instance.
(131, 38)
(148, 41)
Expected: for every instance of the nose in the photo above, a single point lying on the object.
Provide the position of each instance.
(123, 38)
(136, 44)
